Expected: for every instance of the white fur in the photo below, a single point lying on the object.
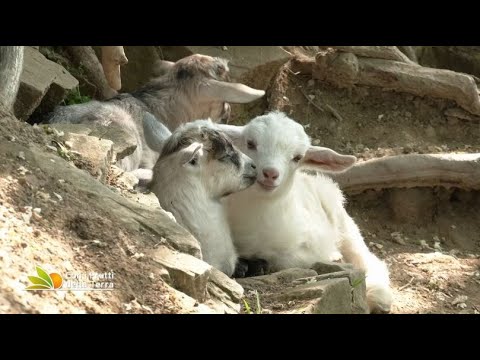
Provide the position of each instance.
(302, 220)
(192, 194)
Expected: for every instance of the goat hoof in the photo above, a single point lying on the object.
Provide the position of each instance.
(241, 268)
(257, 267)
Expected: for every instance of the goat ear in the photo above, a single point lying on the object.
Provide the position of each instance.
(191, 152)
(161, 67)
(325, 159)
(230, 92)
(155, 132)
(232, 131)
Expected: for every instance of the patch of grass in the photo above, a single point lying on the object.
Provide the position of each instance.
(76, 98)
(248, 308)
(358, 281)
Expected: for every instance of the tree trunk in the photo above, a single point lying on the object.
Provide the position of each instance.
(11, 65)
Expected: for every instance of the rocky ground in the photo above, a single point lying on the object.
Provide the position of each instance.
(54, 214)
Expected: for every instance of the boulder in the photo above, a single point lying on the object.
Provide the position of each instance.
(43, 85)
(96, 154)
(241, 58)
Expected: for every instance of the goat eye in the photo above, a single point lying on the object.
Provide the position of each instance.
(193, 161)
(297, 158)
(251, 145)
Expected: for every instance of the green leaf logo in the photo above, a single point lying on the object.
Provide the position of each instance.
(44, 281)
(43, 274)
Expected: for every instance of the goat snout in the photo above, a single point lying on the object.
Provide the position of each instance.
(270, 174)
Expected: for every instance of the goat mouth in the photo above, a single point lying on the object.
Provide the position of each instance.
(267, 187)
(250, 179)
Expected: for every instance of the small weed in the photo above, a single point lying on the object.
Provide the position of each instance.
(248, 308)
(76, 98)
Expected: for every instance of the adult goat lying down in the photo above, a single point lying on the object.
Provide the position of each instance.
(294, 219)
(197, 167)
(195, 87)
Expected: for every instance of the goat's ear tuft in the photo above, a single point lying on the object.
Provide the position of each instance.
(191, 152)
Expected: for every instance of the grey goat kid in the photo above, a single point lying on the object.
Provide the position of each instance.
(198, 167)
(195, 87)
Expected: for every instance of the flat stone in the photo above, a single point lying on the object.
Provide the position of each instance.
(241, 58)
(189, 274)
(43, 84)
(124, 143)
(283, 276)
(331, 296)
(326, 267)
(97, 152)
(228, 285)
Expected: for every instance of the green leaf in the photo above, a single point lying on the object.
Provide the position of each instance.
(38, 287)
(43, 274)
(247, 307)
(38, 281)
(357, 282)
(259, 307)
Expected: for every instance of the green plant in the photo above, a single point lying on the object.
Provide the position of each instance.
(74, 97)
(248, 309)
(358, 281)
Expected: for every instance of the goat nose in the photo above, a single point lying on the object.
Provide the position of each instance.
(270, 173)
(253, 166)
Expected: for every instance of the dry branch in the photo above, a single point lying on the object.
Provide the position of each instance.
(346, 69)
(112, 58)
(377, 52)
(448, 170)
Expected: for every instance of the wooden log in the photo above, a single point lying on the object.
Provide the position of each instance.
(412, 170)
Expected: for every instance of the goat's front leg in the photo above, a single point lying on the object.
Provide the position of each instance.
(356, 252)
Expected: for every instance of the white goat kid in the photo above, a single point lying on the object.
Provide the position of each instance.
(294, 219)
(198, 166)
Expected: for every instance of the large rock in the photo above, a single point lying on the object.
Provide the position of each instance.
(464, 59)
(241, 58)
(200, 281)
(326, 267)
(140, 67)
(189, 274)
(124, 143)
(96, 154)
(281, 277)
(330, 296)
(342, 291)
(43, 85)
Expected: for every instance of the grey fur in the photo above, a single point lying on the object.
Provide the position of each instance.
(185, 92)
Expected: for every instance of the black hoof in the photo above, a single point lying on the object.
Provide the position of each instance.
(257, 267)
(241, 268)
